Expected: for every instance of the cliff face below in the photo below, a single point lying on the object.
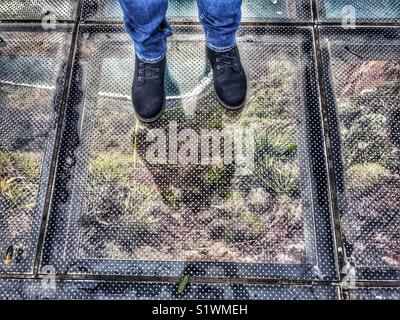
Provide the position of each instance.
(358, 77)
(368, 104)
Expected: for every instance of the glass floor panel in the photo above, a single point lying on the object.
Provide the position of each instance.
(186, 10)
(123, 205)
(119, 290)
(362, 80)
(359, 10)
(44, 10)
(202, 192)
(31, 80)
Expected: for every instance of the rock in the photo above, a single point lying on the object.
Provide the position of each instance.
(363, 177)
(217, 232)
(392, 261)
(369, 224)
(259, 201)
(358, 76)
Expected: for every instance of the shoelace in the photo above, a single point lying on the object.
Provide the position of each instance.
(227, 61)
(143, 74)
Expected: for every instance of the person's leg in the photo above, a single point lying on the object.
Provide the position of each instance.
(221, 20)
(147, 25)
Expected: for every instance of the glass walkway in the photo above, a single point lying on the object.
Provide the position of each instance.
(309, 211)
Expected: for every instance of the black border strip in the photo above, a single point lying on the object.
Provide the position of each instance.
(369, 283)
(167, 290)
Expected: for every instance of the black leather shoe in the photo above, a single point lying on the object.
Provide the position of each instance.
(148, 91)
(230, 80)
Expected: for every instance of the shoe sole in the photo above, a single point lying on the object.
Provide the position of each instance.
(230, 107)
(154, 119)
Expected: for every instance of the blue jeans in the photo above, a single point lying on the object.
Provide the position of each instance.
(147, 25)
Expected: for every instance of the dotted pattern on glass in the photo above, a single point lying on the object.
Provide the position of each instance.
(31, 81)
(102, 290)
(48, 11)
(186, 10)
(359, 10)
(379, 293)
(129, 215)
(362, 82)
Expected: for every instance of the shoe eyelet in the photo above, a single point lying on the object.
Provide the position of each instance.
(140, 78)
(158, 69)
(140, 71)
(218, 67)
(217, 60)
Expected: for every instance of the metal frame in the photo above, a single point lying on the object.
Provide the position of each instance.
(128, 290)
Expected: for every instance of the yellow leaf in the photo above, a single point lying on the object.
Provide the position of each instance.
(10, 181)
(29, 206)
